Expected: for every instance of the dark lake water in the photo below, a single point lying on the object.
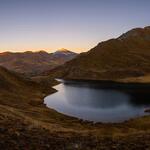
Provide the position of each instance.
(95, 103)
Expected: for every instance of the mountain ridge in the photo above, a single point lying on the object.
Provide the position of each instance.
(32, 63)
(113, 59)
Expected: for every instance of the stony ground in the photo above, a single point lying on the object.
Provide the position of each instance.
(15, 134)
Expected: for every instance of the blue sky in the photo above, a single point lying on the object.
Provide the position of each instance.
(77, 25)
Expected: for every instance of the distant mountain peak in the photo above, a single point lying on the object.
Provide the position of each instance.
(62, 50)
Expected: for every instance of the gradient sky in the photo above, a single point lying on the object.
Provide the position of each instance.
(77, 25)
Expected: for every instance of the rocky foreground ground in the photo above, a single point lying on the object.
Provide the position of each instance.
(15, 134)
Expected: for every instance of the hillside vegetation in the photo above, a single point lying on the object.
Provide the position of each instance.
(125, 57)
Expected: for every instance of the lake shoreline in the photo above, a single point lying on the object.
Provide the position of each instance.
(104, 85)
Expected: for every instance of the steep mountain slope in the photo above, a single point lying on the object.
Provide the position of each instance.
(124, 57)
(32, 63)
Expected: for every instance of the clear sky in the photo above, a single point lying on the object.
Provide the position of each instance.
(77, 25)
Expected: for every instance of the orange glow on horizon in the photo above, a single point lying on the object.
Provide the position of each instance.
(49, 50)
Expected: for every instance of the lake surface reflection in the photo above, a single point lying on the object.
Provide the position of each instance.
(91, 102)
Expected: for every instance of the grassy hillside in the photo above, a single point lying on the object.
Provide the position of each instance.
(125, 57)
